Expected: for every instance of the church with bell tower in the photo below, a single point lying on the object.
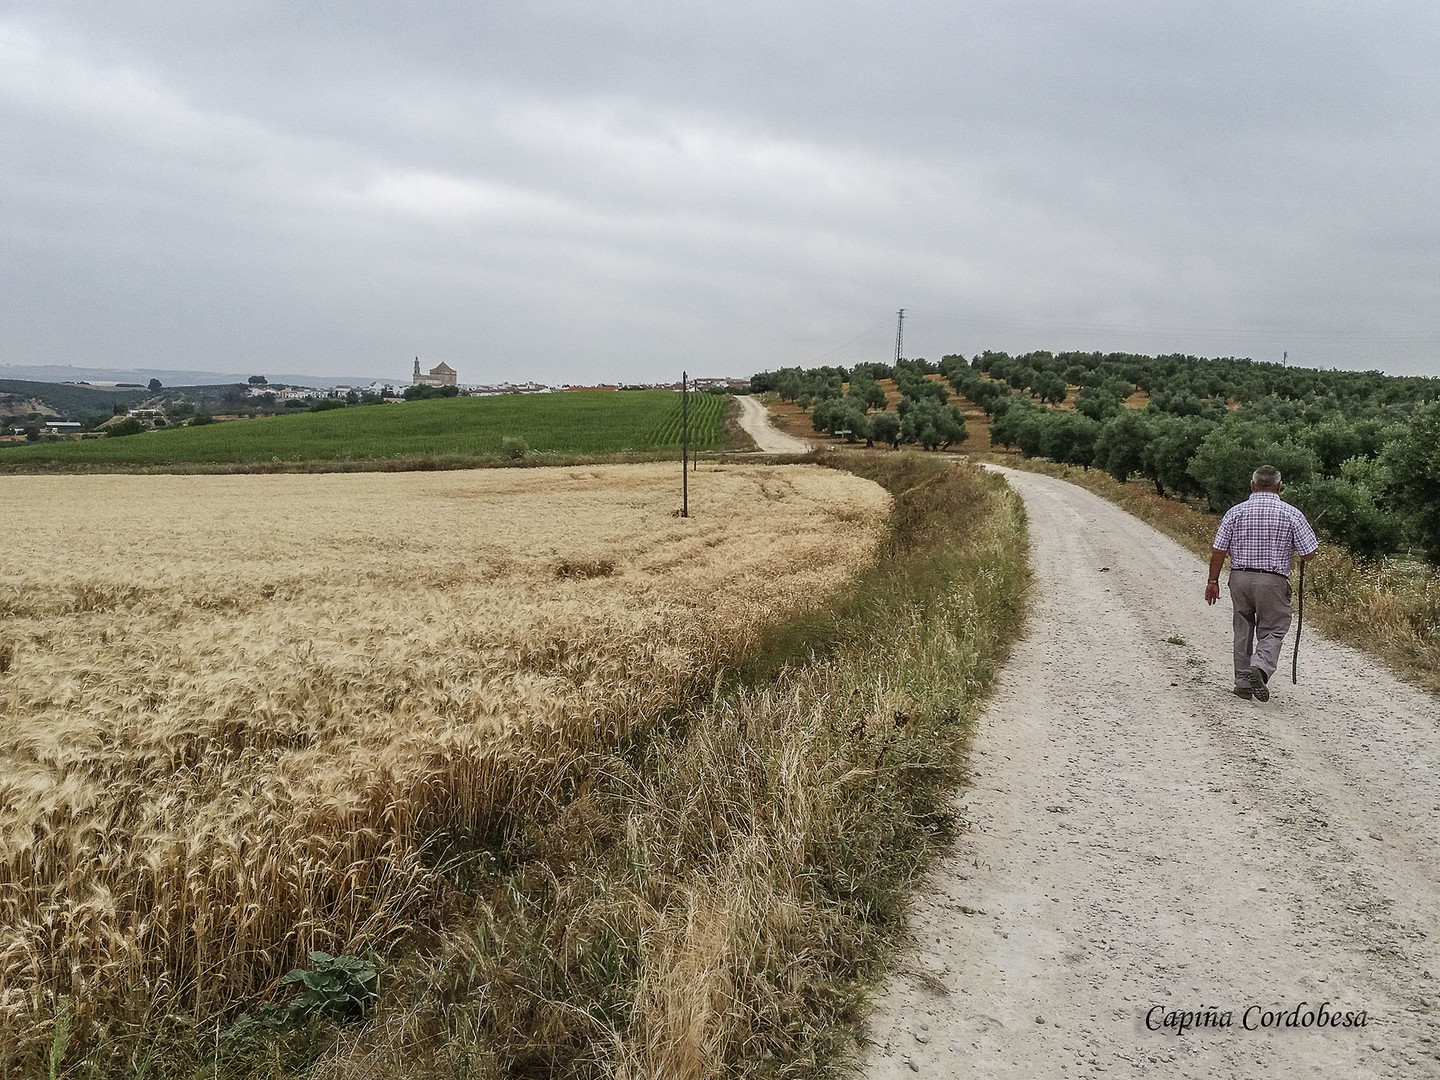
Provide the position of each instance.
(441, 374)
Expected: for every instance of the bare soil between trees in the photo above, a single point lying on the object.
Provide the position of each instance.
(1141, 842)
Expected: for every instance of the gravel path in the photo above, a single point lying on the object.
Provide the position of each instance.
(1140, 839)
(755, 419)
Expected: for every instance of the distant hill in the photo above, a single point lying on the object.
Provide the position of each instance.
(61, 373)
(61, 399)
(76, 402)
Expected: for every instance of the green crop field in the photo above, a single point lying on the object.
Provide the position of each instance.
(574, 423)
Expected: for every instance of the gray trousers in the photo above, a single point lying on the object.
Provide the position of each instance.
(1262, 615)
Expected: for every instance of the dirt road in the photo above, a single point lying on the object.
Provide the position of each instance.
(1143, 842)
(756, 422)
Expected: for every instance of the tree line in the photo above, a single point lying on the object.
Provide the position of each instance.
(1359, 451)
(852, 404)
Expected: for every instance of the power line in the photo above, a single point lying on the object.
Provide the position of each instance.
(1054, 326)
(870, 332)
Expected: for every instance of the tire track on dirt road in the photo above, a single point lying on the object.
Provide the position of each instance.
(1138, 836)
(755, 420)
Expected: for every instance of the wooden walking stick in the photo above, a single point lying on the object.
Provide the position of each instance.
(1299, 625)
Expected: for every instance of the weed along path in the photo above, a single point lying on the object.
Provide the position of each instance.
(1146, 849)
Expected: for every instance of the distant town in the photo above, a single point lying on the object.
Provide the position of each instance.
(441, 375)
(78, 408)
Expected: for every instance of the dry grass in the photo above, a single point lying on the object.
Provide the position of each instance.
(706, 903)
(247, 717)
(1389, 609)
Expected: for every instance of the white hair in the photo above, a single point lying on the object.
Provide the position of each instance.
(1266, 476)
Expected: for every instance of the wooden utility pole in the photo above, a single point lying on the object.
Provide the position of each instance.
(684, 445)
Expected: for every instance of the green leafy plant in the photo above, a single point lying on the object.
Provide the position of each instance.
(60, 1042)
(338, 987)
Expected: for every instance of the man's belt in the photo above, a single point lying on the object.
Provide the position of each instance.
(1252, 570)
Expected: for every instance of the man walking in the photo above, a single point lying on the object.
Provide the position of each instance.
(1260, 535)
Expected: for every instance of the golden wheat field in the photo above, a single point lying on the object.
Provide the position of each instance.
(236, 712)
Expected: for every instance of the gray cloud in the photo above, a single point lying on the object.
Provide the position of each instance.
(574, 191)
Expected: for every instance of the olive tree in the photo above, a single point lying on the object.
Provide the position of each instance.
(1414, 463)
(1120, 446)
(1232, 451)
(932, 425)
(885, 427)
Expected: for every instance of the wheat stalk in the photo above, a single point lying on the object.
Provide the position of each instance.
(235, 725)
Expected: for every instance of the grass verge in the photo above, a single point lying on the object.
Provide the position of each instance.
(1389, 609)
(709, 898)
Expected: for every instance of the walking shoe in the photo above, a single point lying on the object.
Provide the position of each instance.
(1258, 688)
(1243, 692)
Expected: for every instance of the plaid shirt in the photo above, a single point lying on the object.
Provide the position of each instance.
(1263, 532)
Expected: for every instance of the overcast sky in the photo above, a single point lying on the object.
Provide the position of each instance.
(619, 190)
